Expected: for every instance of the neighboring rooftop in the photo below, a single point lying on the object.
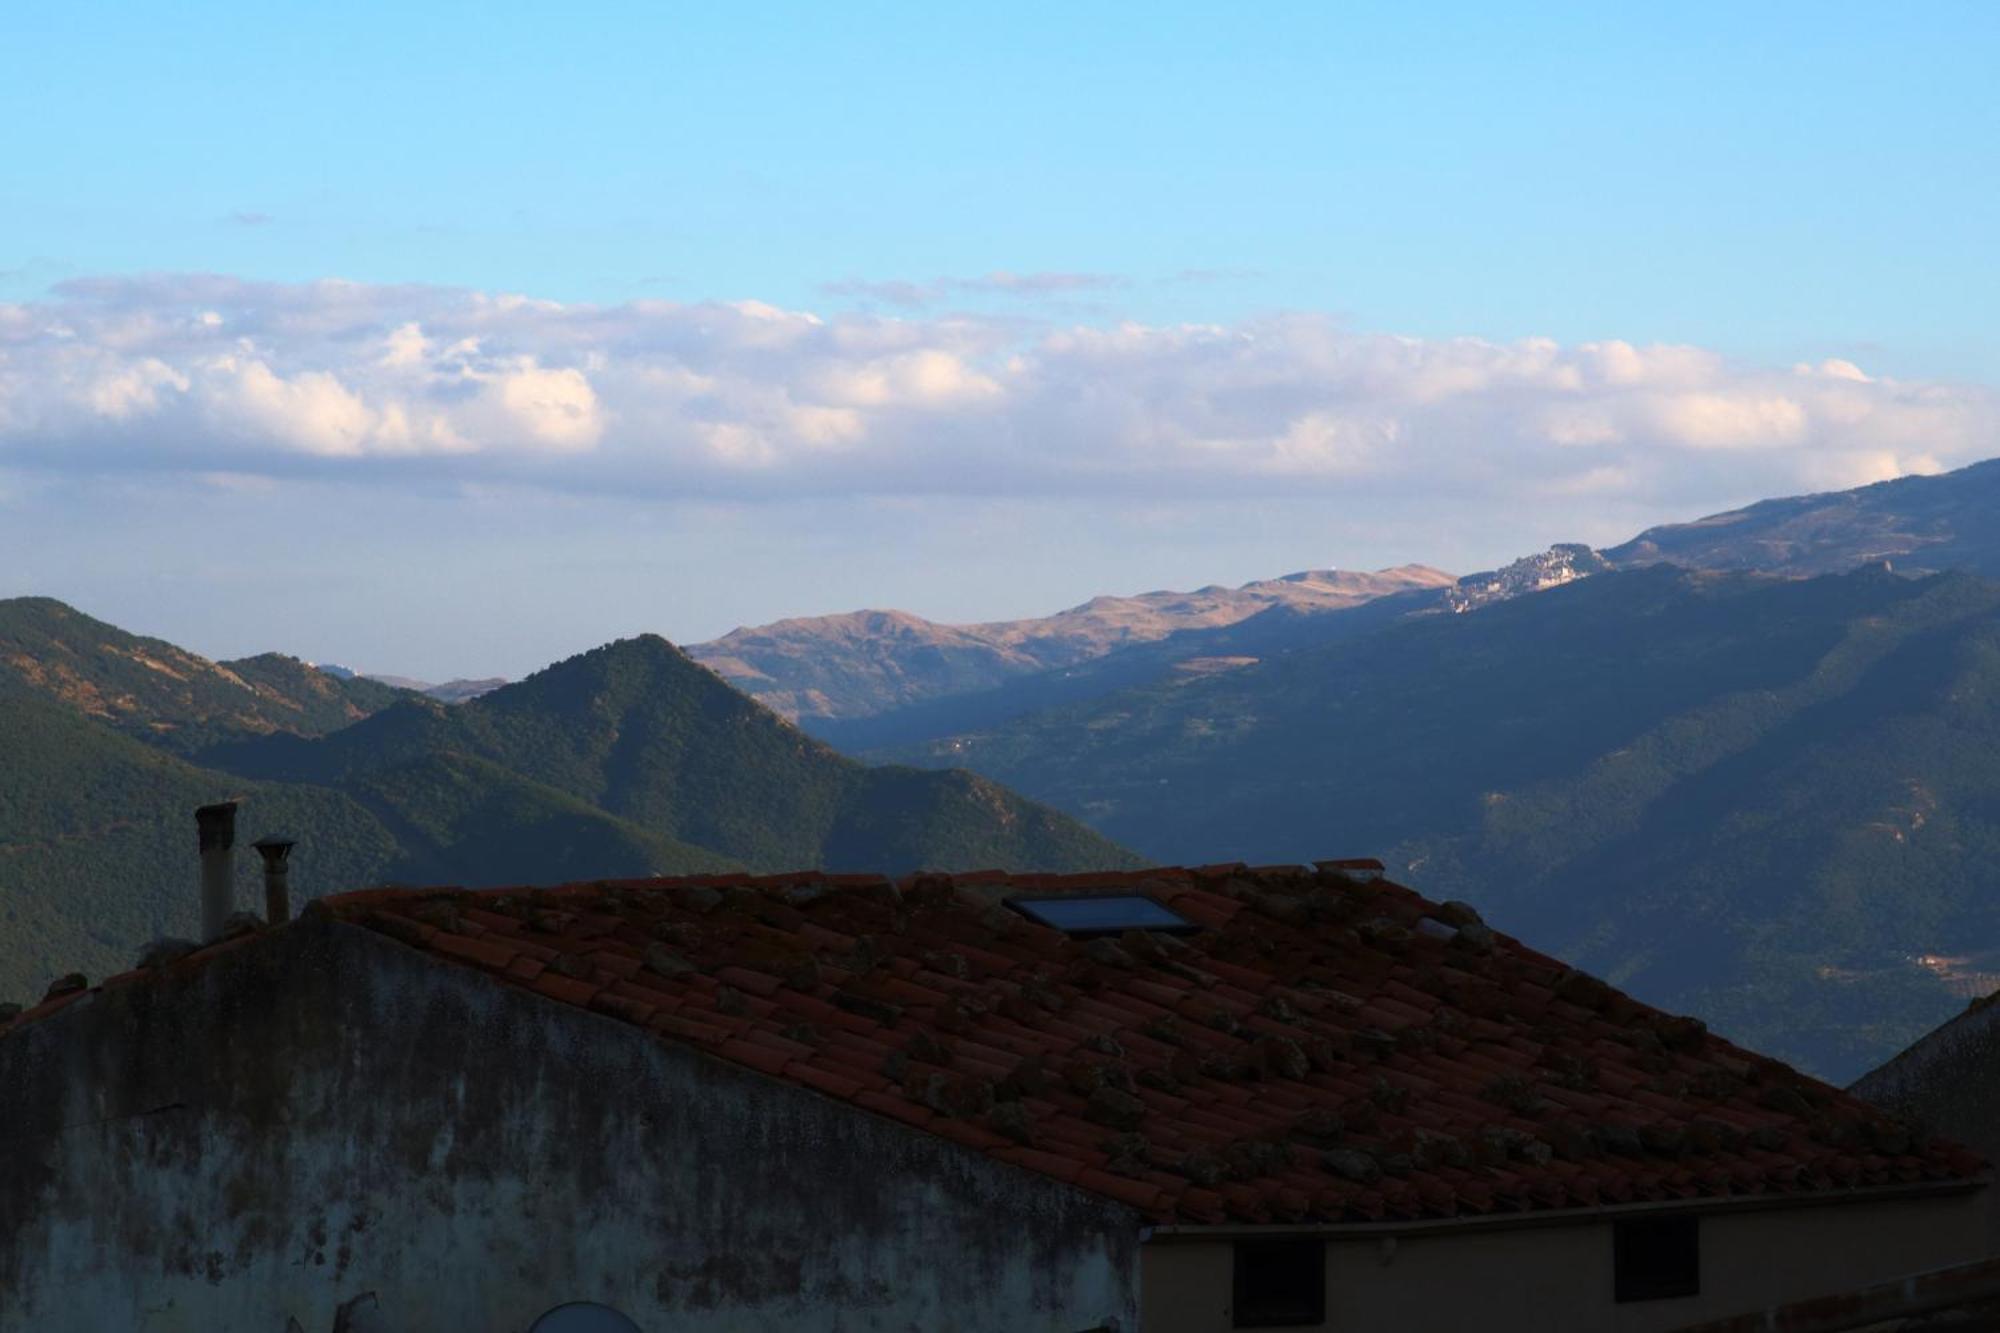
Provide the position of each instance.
(1326, 1047)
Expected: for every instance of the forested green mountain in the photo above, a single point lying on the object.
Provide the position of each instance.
(1760, 800)
(627, 761)
(97, 850)
(97, 838)
(638, 729)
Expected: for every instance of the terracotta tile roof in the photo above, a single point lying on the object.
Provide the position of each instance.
(1330, 1047)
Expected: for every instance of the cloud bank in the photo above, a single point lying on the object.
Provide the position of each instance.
(212, 376)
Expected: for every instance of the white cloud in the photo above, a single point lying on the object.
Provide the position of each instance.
(311, 411)
(377, 385)
(134, 387)
(557, 409)
(1701, 419)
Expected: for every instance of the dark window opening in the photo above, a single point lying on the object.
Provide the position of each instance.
(1102, 913)
(1279, 1283)
(1657, 1259)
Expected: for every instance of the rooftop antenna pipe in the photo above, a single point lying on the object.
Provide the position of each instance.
(277, 854)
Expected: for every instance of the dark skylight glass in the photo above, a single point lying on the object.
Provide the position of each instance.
(1101, 914)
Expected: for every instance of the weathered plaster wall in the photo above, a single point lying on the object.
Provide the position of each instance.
(1949, 1082)
(1536, 1279)
(325, 1113)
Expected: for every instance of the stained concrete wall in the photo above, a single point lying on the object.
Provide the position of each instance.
(326, 1113)
(1543, 1278)
(1949, 1083)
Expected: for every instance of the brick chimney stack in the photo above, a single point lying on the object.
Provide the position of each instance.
(216, 825)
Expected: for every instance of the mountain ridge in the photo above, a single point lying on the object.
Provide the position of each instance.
(610, 764)
(637, 728)
(160, 692)
(1948, 520)
(853, 664)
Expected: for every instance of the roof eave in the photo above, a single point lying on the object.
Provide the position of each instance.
(1555, 1217)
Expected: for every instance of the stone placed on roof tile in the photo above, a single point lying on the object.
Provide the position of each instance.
(1118, 1109)
(663, 961)
(863, 1005)
(1010, 1119)
(165, 952)
(68, 984)
(636, 1012)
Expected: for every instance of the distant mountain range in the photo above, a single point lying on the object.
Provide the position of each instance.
(869, 678)
(867, 662)
(629, 760)
(455, 691)
(1768, 799)
(1949, 521)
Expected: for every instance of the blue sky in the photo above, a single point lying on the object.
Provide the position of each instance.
(1771, 183)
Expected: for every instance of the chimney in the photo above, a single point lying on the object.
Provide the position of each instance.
(277, 854)
(217, 826)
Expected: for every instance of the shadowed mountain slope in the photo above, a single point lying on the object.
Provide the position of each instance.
(638, 729)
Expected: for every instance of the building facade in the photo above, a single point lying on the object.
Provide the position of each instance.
(1172, 1101)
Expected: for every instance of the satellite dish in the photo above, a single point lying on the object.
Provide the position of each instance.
(583, 1317)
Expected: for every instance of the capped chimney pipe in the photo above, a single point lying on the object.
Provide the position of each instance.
(277, 878)
(217, 827)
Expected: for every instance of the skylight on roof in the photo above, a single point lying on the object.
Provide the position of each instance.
(1101, 914)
